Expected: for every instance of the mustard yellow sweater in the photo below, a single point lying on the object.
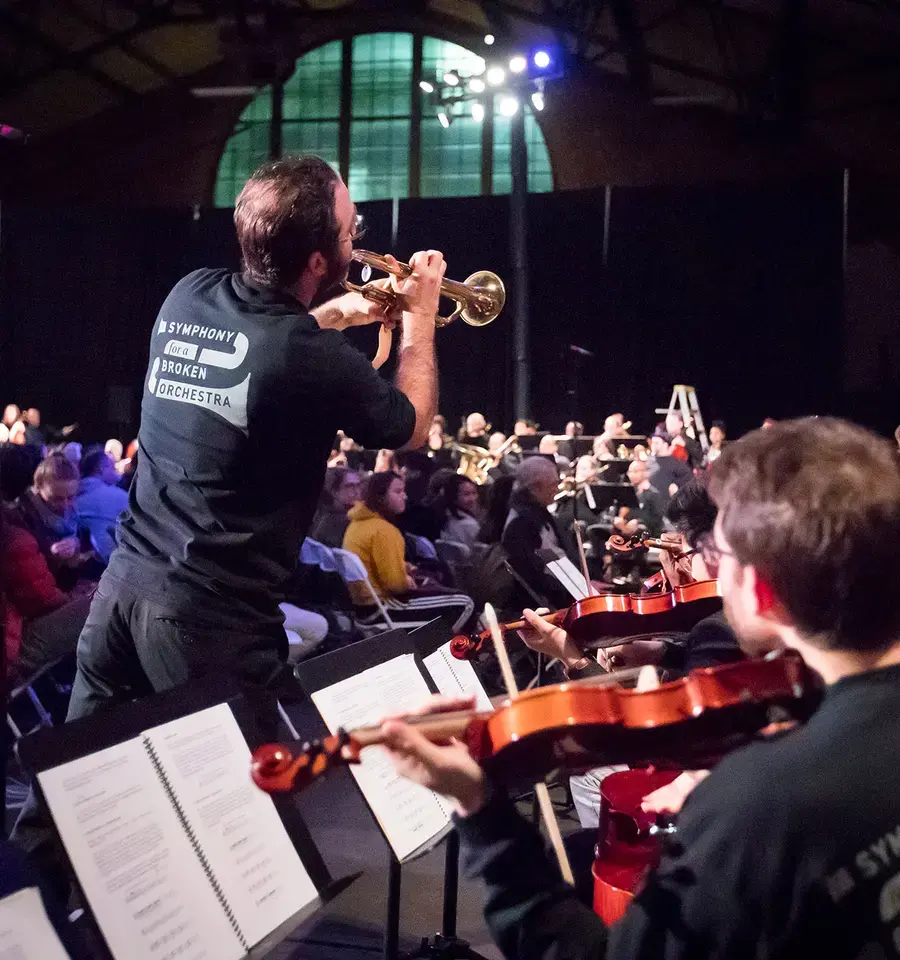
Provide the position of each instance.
(379, 544)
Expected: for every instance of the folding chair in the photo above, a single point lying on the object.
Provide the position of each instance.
(353, 570)
(457, 556)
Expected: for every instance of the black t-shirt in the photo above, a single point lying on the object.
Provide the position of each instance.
(789, 850)
(243, 397)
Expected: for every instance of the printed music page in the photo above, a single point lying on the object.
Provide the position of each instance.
(408, 814)
(456, 678)
(207, 763)
(145, 885)
(25, 928)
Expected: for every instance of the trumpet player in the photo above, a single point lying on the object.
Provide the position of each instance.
(245, 392)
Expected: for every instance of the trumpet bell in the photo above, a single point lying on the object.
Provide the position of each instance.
(488, 300)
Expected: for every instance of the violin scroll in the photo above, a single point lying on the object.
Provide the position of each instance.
(466, 647)
(277, 769)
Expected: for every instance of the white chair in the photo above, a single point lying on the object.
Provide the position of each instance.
(353, 570)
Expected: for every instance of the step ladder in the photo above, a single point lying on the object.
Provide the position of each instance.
(684, 401)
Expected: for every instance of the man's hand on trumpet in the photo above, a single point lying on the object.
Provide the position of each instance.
(354, 310)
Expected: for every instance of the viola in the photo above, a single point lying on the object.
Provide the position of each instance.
(628, 839)
(576, 726)
(605, 620)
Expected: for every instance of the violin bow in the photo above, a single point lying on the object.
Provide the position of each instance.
(576, 525)
(540, 789)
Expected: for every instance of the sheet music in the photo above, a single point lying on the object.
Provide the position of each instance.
(207, 763)
(25, 929)
(456, 678)
(571, 578)
(145, 885)
(408, 814)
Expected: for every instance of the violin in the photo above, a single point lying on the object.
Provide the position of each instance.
(585, 724)
(620, 544)
(604, 620)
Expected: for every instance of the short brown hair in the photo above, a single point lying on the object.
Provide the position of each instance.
(55, 467)
(284, 215)
(814, 506)
(377, 488)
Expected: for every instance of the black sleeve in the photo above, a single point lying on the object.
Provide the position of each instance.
(369, 408)
(718, 893)
(531, 913)
(711, 643)
(721, 883)
(521, 540)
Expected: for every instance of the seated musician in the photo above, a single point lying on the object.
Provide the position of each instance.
(667, 473)
(549, 446)
(651, 508)
(530, 530)
(474, 432)
(788, 849)
(710, 643)
(684, 447)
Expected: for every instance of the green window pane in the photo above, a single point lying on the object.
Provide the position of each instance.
(540, 178)
(439, 56)
(314, 90)
(317, 136)
(451, 158)
(246, 150)
(382, 74)
(379, 159)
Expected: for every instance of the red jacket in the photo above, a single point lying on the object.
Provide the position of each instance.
(28, 584)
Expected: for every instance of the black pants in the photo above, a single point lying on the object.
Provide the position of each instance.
(52, 636)
(132, 646)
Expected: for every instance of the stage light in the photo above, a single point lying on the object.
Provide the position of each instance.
(489, 39)
(477, 112)
(542, 59)
(496, 76)
(476, 85)
(537, 100)
(426, 87)
(451, 78)
(509, 106)
(443, 118)
(518, 63)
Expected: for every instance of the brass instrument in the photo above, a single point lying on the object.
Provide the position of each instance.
(479, 299)
(470, 460)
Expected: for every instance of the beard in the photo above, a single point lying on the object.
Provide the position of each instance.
(754, 640)
(332, 284)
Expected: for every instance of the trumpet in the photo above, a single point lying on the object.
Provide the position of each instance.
(479, 299)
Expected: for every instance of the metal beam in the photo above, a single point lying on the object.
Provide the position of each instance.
(64, 59)
(632, 40)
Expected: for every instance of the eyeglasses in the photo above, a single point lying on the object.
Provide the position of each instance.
(711, 552)
(357, 230)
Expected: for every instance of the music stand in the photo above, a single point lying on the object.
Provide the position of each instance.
(330, 668)
(608, 495)
(55, 746)
(614, 471)
(531, 441)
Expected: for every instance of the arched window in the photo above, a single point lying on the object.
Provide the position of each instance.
(357, 103)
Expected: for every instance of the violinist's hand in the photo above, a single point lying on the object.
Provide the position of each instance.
(638, 653)
(671, 797)
(449, 770)
(678, 572)
(552, 641)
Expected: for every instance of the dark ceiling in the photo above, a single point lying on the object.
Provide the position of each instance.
(830, 68)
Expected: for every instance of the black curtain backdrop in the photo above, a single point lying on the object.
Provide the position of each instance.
(734, 289)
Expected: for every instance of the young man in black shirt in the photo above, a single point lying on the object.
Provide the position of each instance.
(791, 847)
(245, 392)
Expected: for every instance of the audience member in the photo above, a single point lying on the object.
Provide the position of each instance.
(34, 435)
(373, 535)
(100, 501)
(461, 508)
(496, 510)
(17, 466)
(46, 509)
(115, 449)
(73, 451)
(41, 621)
(341, 491)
